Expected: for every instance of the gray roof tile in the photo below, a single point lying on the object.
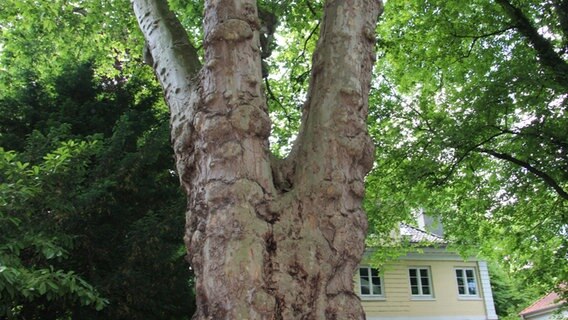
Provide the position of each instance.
(416, 235)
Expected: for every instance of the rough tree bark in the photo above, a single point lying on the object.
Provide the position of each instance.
(268, 238)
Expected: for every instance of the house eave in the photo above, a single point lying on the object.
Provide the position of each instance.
(439, 253)
(542, 311)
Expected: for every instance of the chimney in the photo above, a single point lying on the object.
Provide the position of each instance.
(431, 224)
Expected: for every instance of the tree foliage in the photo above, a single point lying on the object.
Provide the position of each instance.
(510, 293)
(30, 248)
(90, 200)
(471, 124)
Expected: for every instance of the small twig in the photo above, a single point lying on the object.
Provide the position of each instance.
(459, 159)
(272, 96)
(475, 38)
(309, 5)
(305, 47)
(304, 50)
(484, 35)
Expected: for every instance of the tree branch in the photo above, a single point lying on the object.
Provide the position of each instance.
(462, 157)
(476, 38)
(541, 174)
(544, 49)
(484, 35)
(302, 55)
(334, 115)
(547, 138)
(309, 5)
(273, 97)
(174, 59)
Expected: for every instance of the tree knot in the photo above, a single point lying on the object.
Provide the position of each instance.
(231, 30)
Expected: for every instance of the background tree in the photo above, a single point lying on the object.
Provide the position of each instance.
(90, 200)
(471, 124)
(100, 204)
(510, 293)
(31, 252)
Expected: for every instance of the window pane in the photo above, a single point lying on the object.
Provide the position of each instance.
(364, 285)
(365, 289)
(374, 272)
(472, 290)
(425, 290)
(420, 281)
(471, 286)
(377, 290)
(364, 281)
(466, 282)
(414, 289)
(370, 281)
(413, 281)
(460, 282)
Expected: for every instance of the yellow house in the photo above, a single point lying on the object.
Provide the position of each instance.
(433, 284)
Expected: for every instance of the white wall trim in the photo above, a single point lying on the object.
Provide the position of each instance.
(428, 254)
(487, 292)
(436, 254)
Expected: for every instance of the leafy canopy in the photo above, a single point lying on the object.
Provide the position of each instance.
(471, 125)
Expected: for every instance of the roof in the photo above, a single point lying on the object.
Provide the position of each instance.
(550, 301)
(416, 235)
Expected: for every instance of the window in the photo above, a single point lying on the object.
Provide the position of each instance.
(420, 282)
(467, 285)
(370, 282)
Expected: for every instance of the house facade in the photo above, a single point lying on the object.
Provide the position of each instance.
(431, 283)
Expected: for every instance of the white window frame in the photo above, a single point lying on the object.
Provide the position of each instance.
(371, 295)
(466, 281)
(418, 270)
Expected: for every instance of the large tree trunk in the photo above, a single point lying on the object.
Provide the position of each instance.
(268, 238)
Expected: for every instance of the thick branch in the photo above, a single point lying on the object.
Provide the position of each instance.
(175, 59)
(541, 174)
(544, 49)
(333, 135)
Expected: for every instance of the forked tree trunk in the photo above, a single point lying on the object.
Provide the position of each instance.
(267, 238)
